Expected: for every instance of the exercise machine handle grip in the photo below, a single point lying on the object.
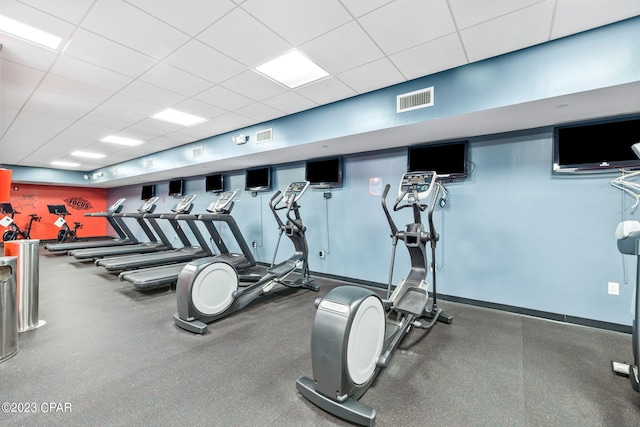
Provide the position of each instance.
(394, 229)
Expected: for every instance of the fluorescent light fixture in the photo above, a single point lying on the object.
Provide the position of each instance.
(178, 117)
(88, 155)
(292, 69)
(121, 140)
(26, 32)
(67, 164)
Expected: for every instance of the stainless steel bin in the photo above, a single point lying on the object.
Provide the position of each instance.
(28, 281)
(8, 308)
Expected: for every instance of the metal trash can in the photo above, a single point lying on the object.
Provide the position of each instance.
(8, 308)
(28, 281)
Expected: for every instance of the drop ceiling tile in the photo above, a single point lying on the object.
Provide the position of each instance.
(199, 108)
(69, 10)
(131, 27)
(191, 17)
(103, 117)
(151, 93)
(149, 129)
(117, 114)
(290, 102)
(46, 108)
(176, 80)
(60, 101)
(574, 16)
(26, 54)
(260, 112)
(408, 23)
(133, 105)
(326, 91)
(198, 58)
(342, 49)
(72, 88)
(431, 57)
(254, 86)
(517, 30)
(18, 73)
(105, 53)
(49, 127)
(372, 76)
(90, 74)
(472, 12)
(241, 36)
(298, 21)
(361, 7)
(221, 97)
(41, 20)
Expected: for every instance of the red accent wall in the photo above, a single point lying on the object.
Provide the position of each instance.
(31, 198)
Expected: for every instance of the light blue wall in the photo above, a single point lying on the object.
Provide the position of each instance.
(512, 233)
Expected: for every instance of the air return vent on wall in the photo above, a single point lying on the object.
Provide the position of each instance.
(264, 136)
(413, 100)
(197, 152)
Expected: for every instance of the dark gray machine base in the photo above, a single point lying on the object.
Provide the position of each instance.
(195, 326)
(350, 409)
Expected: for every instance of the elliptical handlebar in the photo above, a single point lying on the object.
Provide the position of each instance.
(394, 229)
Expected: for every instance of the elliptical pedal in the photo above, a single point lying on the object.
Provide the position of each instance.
(413, 302)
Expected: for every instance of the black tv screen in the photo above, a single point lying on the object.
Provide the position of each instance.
(148, 191)
(324, 173)
(214, 183)
(258, 179)
(448, 160)
(175, 187)
(596, 147)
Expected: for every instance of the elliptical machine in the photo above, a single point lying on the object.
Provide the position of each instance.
(355, 331)
(210, 289)
(15, 232)
(628, 237)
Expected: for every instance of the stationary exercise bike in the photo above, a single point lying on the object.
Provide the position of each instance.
(66, 233)
(628, 236)
(355, 331)
(210, 289)
(15, 232)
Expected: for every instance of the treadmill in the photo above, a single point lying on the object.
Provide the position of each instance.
(125, 236)
(188, 252)
(162, 276)
(153, 245)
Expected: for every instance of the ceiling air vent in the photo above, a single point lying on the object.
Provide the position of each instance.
(116, 171)
(148, 163)
(197, 152)
(413, 100)
(264, 136)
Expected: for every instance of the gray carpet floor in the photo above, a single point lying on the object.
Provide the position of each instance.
(109, 355)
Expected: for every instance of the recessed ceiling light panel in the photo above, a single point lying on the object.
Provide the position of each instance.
(292, 69)
(122, 141)
(88, 155)
(178, 117)
(65, 164)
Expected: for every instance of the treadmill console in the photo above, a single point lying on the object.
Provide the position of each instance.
(117, 206)
(224, 203)
(420, 183)
(149, 206)
(294, 191)
(185, 204)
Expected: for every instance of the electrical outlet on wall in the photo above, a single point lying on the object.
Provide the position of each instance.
(613, 288)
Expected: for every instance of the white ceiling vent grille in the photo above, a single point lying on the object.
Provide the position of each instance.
(197, 152)
(116, 171)
(413, 100)
(264, 136)
(148, 163)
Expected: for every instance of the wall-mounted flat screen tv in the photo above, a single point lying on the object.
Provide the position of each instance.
(175, 187)
(324, 173)
(214, 183)
(448, 160)
(258, 179)
(148, 191)
(603, 146)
